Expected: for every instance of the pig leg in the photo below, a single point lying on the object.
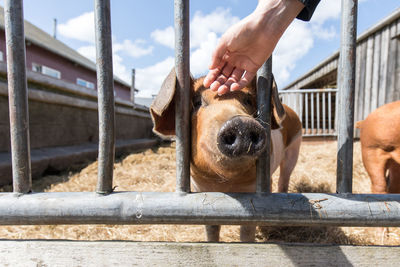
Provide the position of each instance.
(375, 163)
(247, 233)
(287, 165)
(212, 232)
(393, 188)
(394, 178)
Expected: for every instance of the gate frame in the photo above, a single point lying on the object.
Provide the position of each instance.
(182, 207)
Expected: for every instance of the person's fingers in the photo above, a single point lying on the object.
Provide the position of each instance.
(223, 89)
(245, 80)
(220, 81)
(229, 82)
(237, 73)
(227, 70)
(211, 77)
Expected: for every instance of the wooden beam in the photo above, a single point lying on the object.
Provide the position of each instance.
(120, 253)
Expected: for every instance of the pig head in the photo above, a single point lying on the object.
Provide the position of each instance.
(226, 136)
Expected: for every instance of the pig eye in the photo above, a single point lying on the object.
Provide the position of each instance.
(198, 102)
(248, 101)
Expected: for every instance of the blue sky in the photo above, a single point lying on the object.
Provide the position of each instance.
(143, 34)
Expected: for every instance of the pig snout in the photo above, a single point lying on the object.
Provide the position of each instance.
(241, 136)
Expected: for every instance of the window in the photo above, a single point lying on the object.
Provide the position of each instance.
(84, 83)
(46, 70)
(1, 56)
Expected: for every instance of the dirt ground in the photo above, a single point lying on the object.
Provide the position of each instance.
(154, 170)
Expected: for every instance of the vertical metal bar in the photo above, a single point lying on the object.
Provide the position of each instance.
(323, 113)
(330, 112)
(346, 85)
(306, 109)
(318, 112)
(312, 113)
(18, 96)
(182, 97)
(105, 85)
(264, 89)
(133, 78)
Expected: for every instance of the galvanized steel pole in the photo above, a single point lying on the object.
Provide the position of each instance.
(264, 89)
(346, 85)
(182, 95)
(105, 86)
(18, 95)
(307, 209)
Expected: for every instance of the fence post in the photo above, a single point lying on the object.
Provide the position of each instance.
(182, 95)
(264, 88)
(18, 96)
(105, 85)
(346, 85)
(133, 77)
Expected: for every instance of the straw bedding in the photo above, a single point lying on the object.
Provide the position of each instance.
(154, 170)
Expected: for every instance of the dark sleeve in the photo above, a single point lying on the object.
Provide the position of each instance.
(308, 10)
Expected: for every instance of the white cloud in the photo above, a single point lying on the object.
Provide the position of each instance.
(217, 22)
(80, 28)
(201, 57)
(294, 44)
(88, 51)
(205, 30)
(149, 79)
(201, 25)
(165, 37)
(134, 49)
(326, 10)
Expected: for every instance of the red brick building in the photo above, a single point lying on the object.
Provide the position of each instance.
(50, 57)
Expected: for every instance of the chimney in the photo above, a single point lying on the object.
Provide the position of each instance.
(133, 87)
(55, 28)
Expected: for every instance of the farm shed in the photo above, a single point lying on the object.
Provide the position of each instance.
(63, 118)
(377, 79)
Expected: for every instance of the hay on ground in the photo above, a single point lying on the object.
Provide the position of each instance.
(154, 170)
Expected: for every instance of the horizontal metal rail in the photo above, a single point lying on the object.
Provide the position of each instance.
(308, 91)
(310, 209)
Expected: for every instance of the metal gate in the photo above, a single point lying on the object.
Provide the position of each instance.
(316, 109)
(182, 207)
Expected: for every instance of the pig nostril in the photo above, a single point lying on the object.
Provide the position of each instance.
(229, 139)
(254, 137)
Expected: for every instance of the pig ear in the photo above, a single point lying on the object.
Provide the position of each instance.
(163, 107)
(278, 111)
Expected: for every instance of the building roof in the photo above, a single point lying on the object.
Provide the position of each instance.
(42, 39)
(331, 62)
(144, 101)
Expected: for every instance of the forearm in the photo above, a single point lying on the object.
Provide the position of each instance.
(276, 15)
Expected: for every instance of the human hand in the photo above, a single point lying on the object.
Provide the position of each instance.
(245, 46)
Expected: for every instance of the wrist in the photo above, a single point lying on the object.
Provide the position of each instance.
(276, 15)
